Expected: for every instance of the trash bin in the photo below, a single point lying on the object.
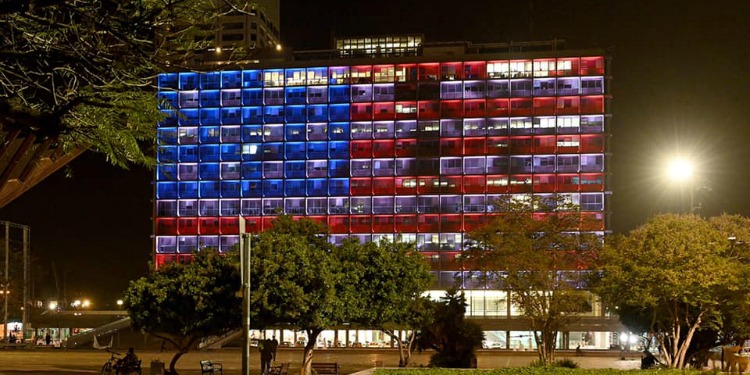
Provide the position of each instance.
(157, 367)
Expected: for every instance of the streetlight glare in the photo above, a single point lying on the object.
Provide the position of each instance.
(680, 170)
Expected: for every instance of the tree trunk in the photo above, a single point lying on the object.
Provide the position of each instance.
(174, 360)
(312, 336)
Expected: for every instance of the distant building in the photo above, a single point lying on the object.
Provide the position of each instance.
(388, 137)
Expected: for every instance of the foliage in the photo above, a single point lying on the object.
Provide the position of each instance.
(550, 370)
(183, 302)
(566, 362)
(675, 275)
(383, 288)
(534, 249)
(453, 338)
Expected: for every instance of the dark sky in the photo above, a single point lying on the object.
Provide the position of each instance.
(681, 84)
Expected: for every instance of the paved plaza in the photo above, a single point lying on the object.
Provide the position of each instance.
(73, 362)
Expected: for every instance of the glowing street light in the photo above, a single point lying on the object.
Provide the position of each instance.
(681, 170)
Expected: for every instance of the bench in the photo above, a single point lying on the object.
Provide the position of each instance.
(282, 369)
(208, 367)
(326, 368)
(132, 368)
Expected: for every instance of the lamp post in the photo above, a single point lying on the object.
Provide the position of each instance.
(681, 170)
(245, 255)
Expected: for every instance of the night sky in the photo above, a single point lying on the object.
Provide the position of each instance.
(681, 84)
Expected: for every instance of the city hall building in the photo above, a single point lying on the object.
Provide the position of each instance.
(388, 137)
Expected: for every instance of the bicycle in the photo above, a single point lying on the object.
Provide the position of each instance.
(110, 366)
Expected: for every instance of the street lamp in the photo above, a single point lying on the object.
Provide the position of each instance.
(681, 170)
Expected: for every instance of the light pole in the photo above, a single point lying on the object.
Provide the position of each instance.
(245, 255)
(681, 170)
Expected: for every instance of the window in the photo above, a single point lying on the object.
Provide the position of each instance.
(592, 202)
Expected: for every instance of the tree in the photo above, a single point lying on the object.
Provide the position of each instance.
(534, 249)
(673, 275)
(184, 302)
(453, 338)
(294, 280)
(383, 286)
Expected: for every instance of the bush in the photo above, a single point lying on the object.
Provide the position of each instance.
(566, 362)
(532, 371)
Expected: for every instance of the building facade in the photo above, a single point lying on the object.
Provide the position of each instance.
(415, 148)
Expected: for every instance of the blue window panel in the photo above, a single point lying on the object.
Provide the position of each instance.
(210, 116)
(317, 187)
(339, 112)
(251, 189)
(296, 95)
(209, 134)
(189, 81)
(252, 133)
(294, 132)
(338, 150)
(317, 112)
(189, 117)
(188, 153)
(211, 80)
(338, 186)
(273, 188)
(166, 190)
(209, 189)
(230, 189)
(168, 81)
(317, 94)
(231, 79)
(210, 98)
(169, 118)
(273, 113)
(188, 189)
(295, 77)
(317, 150)
(252, 115)
(231, 116)
(273, 151)
(338, 131)
(317, 75)
(252, 78)
(338, 168)
(294, 188)
(295, 150)
(167, 154)
(208, 171)
(252, 169)
(209, 153)
(167, 99)
(295, 113)
(252, 152)
(166, 172)
(252, 97)
(273, 77)
(339, 94)
(167, 136)
(231, 152)
(294, 169)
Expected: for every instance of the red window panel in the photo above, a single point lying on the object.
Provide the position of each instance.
(544, 68)
(544, 106)
(592, 221)
(451, 108)
(498, 184)
(361, 224)
(568, 66)
(361, 74)
(384, 111)
(166, 226)
(448, 261)
(406, 223)
(162, 259)
(521, 145)
(319, 219)
(429, 72)
(338, 224)
(520, 183)
(474, 184)
(592, 143)
(475, 146)
(592, 182)
(568, 143)
(383, 73)
(406, 147)
(383, 224)
(254, 224)
(451, 184)
(433, 258)
(406, 110)
(451, 223)
(406, 72)
(521, 107)
(545, 144)
(474, 221)
(428, 110)
(592, 65)
(592, 104)
(268, 222)
(383, 148)
(428, 185)
(567, 183)
(229, 225)
(475, 70)
(361, 186)
(209, 225)
(498, 107)
(383, 185)
(406, 185)
(361, 111)
(450, 71)
(475, 108)
(451, 147)
(544, 183)
(498, 146)
(361, 149)
(568, 105)
(187, 225)
(428, 223)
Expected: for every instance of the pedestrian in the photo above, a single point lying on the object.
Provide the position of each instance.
(274, 345)
(578, 351)
(266, 355)
(47, 338)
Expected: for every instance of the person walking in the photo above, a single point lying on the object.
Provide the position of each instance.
(274, 345)
(266, 355)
